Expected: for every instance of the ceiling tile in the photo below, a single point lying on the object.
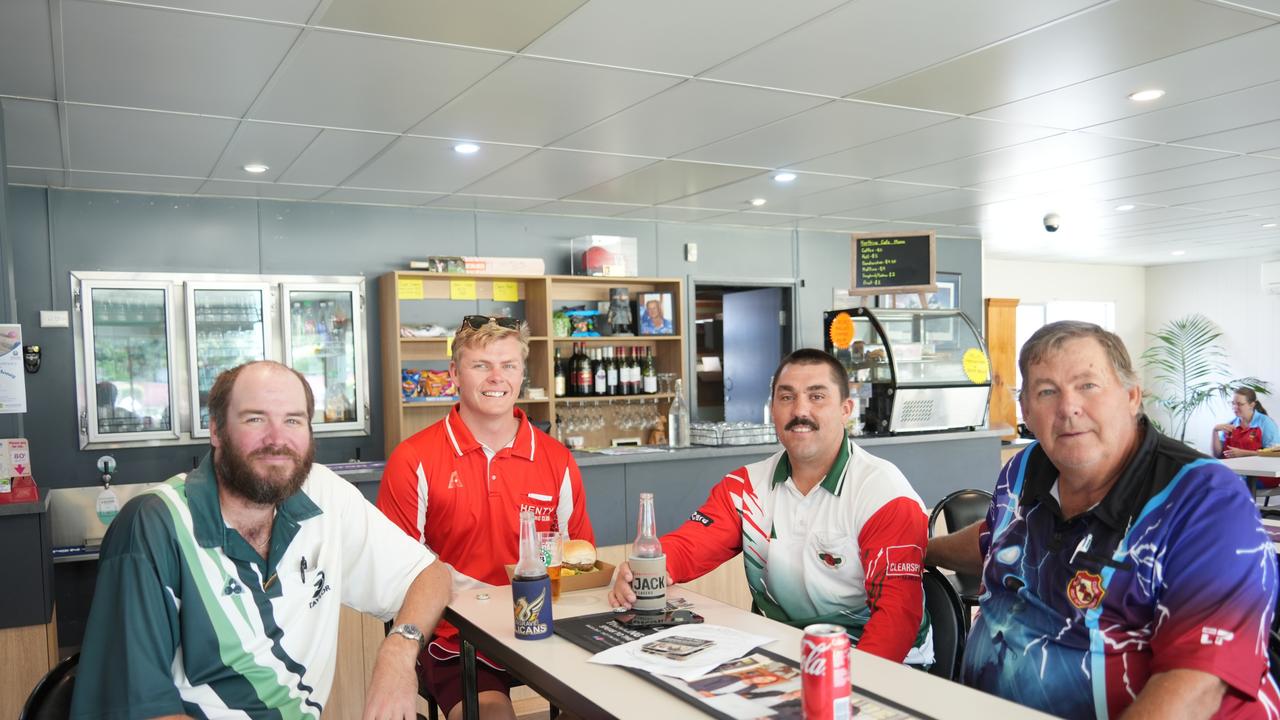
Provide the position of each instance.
(134, 183)
(671, 214)
(935, 144)
(377, 197)
(1269, 7)
(757, 219)
(555, 173)
(480, 202)
(426, 165)
(662, 182)
(861, 194)
(960, 216)
(687, 116)
(834, 223)
(537, 101)
(112, 140)
(812, 133)
(1088, 45)
(692, 36)
(1121, 165)
(569, 207)
(26, 49)
(1216, 190)
(365, 83)
(1259, 202)
(1028, 157)
(166, 59)
(1225, 112)
(31, 134)
(289, 11)
(333, 156)
(275, 146)
(780, 198)
(268, 190)
(863, 44)
(937, 202)
(34, 176)
(1252, 138)
(496, 24)
(1199, 73)
(1188, 176)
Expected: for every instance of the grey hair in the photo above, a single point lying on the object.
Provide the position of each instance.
(1053, 336)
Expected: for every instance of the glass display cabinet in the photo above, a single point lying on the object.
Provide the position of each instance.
(148, 347)
(911, 370)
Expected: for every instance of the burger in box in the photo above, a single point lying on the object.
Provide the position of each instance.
(579, 568)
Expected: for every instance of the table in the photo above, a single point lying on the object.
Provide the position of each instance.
(1254, 466)
(559, 669)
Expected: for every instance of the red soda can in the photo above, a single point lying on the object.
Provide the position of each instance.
(824, 667)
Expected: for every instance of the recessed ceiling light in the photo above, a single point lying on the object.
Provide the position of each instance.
(757, 202)
(784, 177)
(1178, 252)
(1146, 95)
(256, 168)
(1126, 207)
(466, 148)
(1268, 225)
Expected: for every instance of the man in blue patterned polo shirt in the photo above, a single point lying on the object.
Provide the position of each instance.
(1123, 572)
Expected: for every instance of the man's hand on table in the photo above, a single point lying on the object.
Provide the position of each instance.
(393, 690)
(621, 594)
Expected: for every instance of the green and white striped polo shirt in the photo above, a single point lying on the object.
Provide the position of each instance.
(188, 619)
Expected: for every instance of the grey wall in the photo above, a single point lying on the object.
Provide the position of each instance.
(53, 232)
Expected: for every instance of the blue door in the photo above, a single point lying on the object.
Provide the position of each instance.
(753, 333)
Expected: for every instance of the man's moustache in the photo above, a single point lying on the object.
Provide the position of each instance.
(801, 422)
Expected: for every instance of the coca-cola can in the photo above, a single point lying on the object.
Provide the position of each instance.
(824, 666)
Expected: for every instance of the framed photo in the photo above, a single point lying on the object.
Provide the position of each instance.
(656, 314)
(946, 297)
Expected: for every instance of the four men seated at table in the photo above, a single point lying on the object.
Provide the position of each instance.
(1123, 572)
(829, 533)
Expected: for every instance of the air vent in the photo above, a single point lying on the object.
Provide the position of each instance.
(916, 412)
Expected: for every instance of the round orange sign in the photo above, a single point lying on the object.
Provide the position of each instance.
(841, 332)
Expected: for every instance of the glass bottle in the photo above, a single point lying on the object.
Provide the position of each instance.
(599, 375)
(648, 562)
(678, 419)
(649, 373)
(561, 389)
(530, 585)
(610, 372)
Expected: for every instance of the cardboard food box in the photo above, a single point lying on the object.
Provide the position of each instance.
(602, 576)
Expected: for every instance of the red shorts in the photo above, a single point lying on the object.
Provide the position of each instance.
(443, 679)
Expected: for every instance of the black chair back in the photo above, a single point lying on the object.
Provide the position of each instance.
(947, 616)
(51, 698)
(961, 509)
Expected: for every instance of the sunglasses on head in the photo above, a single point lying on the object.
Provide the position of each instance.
(475, 322)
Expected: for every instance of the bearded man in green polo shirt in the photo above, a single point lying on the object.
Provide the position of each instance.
(219, 590)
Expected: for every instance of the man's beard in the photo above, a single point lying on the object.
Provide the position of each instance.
(269, 488)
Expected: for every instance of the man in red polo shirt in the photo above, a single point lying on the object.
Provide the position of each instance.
(459, 486)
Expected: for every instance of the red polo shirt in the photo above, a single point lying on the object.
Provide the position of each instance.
(442, 489)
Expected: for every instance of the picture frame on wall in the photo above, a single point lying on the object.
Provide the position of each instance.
(656, 313)
(946, 297)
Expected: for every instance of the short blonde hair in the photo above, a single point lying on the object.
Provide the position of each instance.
(488, 334)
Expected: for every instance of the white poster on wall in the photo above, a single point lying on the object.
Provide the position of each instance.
(13, 380)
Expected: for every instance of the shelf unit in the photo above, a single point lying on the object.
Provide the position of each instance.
(538, 297)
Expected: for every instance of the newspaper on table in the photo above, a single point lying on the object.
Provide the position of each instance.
(685, 651)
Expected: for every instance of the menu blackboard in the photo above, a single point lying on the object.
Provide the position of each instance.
(893, 263)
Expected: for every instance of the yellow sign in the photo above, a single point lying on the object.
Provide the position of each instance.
(409, 288)
(975, 366)
(448, 346)
(505, 291)
(841, 332)
(462, 289)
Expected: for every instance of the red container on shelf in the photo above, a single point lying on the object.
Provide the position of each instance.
(824, 669)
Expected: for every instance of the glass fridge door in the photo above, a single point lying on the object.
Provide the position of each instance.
(226, 326)
(324, 340)
(129, 363)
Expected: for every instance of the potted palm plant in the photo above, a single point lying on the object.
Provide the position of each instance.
(1190, 368)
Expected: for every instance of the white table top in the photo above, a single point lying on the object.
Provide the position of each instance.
(1254, 465)
(617, 690)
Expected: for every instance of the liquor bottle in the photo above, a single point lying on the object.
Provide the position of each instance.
(530, 585)
(648, 562)
(581, 372)
(611, 372)
(633, 374)
(599, 375)
(678, 419)
(561, 388)
(649, 373)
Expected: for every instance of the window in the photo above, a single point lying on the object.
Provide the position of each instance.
(1032, 317)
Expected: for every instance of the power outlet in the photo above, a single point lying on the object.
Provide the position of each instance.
(54, 319)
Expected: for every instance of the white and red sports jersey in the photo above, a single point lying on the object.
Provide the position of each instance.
(851, 551)
(441, 487)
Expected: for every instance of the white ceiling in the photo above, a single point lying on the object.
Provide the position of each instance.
(972, 118)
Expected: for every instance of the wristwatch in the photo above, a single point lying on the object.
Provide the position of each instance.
(412, 632)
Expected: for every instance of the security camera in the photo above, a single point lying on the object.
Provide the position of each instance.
(1052, 222)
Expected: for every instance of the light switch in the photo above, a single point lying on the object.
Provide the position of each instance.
(54, 319)
(691, 252)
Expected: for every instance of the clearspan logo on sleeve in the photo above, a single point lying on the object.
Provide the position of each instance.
(904, 560)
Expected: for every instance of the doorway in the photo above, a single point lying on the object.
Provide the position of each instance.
(740, 334)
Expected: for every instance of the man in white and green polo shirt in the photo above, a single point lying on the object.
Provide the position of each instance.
(219, 590)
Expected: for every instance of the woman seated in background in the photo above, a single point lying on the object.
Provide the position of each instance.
(1250, 431)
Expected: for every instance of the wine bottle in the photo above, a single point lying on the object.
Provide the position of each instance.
(649, 373)
(611, 372)
(598, 374)
(560, 388)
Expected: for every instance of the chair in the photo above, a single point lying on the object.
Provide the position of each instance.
(961, 509)
(948, 617)
(51, 698)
